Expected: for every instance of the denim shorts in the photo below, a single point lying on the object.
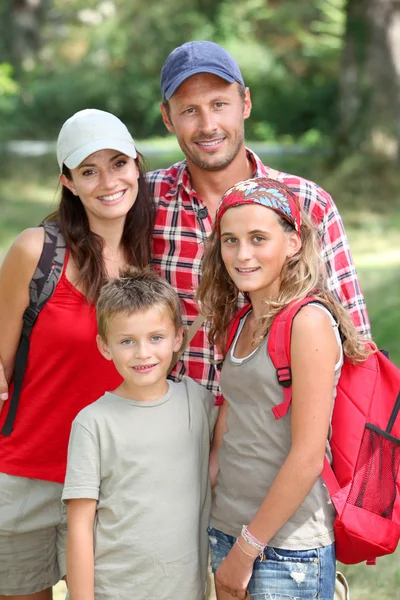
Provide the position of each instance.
(284, 574)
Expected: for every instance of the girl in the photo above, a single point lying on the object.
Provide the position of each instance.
(263, 246)
(105, 215)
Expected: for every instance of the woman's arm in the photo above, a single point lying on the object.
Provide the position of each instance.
(314, 353)
(16, 273)
(219, 430)
(80, 549)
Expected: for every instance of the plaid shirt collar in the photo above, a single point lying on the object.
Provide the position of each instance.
(183, 177)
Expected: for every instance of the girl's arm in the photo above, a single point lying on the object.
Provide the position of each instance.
(80, 548)
(314, 353)
(219, 430)
(16, 273)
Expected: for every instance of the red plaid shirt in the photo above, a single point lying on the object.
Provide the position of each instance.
(182, 226)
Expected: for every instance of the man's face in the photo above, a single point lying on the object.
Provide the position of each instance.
(207, 116)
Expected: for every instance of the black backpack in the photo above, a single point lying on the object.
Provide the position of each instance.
(41, 288)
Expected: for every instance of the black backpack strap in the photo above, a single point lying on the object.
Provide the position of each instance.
(41, 288)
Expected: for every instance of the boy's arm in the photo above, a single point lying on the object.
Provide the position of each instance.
(220, 429)
(80, 550)
(81, 493)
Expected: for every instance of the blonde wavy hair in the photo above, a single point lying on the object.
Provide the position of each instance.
(302, 275)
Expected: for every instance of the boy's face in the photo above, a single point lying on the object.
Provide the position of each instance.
(141, 346)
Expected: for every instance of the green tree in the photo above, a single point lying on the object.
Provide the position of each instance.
(108, 54)
(21, 24)
(369, 80)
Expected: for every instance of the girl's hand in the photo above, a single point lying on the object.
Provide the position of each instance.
(235, 571)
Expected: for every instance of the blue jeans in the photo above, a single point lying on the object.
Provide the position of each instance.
(285, 574)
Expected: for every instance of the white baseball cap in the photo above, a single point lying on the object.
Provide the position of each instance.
(88, 131)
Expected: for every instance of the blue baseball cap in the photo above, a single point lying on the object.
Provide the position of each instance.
(197, 57)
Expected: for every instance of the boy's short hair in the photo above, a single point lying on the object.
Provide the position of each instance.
(136, 289)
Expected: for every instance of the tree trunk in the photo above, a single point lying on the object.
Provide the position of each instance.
(370, 80)
(23, 24)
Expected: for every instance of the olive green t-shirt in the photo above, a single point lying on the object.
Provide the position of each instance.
(146, 464)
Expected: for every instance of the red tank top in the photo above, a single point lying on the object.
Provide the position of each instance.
(65, 373)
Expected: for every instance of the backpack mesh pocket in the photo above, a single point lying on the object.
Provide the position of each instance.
(374, 481)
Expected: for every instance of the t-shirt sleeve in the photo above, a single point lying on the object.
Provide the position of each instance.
(83, 466)
(206, 398)
(211, 409)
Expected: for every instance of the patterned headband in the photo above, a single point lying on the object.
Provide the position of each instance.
(267, 192)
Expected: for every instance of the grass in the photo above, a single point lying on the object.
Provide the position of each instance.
(372, 224)
(380, 582)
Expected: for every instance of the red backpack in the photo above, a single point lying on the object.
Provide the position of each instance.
(363, 481)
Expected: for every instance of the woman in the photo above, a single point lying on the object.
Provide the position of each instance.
(264, 246)
(105, 215)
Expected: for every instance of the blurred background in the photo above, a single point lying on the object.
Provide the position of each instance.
(325, 82)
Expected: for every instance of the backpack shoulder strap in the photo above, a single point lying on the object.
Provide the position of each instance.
(187, 338)
(279, 350)
(41, 288)
(49, 267)
(234, 324)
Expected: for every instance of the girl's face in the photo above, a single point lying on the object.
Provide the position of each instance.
(106, 183)
(254, 248)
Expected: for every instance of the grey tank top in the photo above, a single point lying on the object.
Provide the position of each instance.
(254, 449)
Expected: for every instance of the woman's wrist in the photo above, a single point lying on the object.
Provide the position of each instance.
(247, 555)
(254, 543)
(247, 548)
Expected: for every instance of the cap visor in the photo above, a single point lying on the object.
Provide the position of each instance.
(179, 80)
(75, 159)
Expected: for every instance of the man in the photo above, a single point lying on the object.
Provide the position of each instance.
(205, 103)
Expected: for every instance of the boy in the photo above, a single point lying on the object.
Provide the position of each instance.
(138, 458)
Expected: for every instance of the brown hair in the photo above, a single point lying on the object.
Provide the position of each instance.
(136, 290)
(302, 275)
(86, 246)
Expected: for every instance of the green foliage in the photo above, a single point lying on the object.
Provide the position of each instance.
(381, 581)
(108, 54)
(8, 94)
(8, 86)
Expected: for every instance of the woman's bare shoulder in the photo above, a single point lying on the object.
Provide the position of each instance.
(23, 255)
(29, 243)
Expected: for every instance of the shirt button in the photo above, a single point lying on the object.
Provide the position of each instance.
(202, 213)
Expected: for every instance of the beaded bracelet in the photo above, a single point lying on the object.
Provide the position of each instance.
(245, 551)
(254, 542)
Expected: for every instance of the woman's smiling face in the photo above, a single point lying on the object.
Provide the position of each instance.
(106, 183)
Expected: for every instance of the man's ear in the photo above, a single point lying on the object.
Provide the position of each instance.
(247, 105)
(102, 346)
(166, 119)
(178, 339)
(68, 184)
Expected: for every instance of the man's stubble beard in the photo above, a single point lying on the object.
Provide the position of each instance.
(224, 162)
